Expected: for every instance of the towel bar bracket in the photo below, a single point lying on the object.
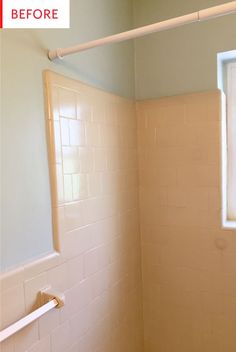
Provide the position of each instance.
(48, 295)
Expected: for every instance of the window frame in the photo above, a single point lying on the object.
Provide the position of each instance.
(225, 62)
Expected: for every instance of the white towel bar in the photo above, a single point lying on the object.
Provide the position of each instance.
(54, 301)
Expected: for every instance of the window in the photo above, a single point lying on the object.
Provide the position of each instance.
(227, 83)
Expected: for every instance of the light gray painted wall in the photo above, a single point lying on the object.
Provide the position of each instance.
(26, 210)
(184, 59)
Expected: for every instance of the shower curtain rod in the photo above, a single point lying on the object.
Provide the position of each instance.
(202, 15)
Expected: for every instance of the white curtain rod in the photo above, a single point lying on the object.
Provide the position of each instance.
(202, 15)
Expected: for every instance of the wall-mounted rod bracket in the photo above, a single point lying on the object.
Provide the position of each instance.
(48, 295)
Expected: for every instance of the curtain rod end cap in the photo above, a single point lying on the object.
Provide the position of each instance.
(55, 54)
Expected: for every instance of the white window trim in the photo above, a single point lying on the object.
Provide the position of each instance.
(228, 148)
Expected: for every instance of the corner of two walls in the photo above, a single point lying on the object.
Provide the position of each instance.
(188, 284)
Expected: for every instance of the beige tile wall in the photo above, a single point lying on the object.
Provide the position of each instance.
(93, 163)
(189, 262)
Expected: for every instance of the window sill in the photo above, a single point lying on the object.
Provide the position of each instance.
(229, 224)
